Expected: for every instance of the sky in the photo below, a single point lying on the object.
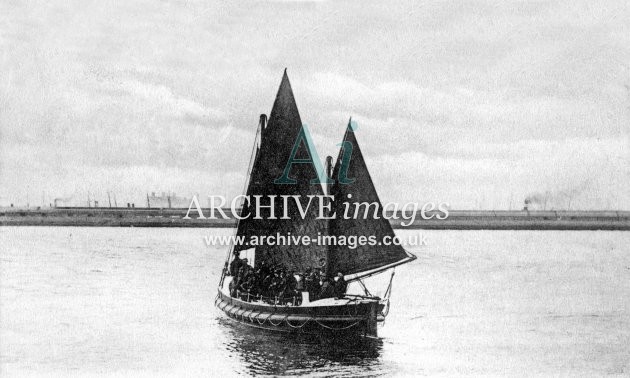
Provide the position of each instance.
(480, 104)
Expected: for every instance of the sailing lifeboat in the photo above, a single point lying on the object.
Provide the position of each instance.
(278, 140)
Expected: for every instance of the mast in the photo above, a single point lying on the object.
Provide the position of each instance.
(329, 172)
(253, 158)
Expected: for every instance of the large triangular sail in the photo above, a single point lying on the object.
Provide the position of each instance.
(364, 259)
(277, 141)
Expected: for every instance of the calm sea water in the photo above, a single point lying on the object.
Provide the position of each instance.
(139, 302)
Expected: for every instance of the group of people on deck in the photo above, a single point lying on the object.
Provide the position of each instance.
(278, 285)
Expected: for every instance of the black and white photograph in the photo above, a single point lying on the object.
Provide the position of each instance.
(314, 188)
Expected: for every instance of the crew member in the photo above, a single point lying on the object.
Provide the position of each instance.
(236, 264)
(327, 290)
(340, 286)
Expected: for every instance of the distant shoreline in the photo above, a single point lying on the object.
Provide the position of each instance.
(457, 220)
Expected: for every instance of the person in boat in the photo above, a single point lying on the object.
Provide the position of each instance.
(312, 285)
(246, 288)
(327, 287)
(277, 283)
(245, 264)
(266, 285)
(258, 281)
(285, 289)
(236, 263)
(299, 288)
(234, 284)
(299, 282)
(275, 286)
(340, 286)
(244, 273)
(232, 288)
(322, 278)
(291, 292)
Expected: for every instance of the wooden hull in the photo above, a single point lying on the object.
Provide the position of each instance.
(341, 318)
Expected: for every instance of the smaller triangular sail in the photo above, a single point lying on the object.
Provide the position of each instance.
(364, 259)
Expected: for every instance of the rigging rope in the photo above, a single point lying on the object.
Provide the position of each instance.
(365, 289)
(388, 293)
(248, 177)
(280, 322)
(336, 328)
(300, 326)
(389, 287)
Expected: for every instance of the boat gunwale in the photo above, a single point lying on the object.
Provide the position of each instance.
(357, 307)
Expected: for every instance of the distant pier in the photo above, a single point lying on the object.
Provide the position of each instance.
(457, 219)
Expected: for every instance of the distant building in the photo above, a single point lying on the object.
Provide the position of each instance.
(167, 200)
(66, 202)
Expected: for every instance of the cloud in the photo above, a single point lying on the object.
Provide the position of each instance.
(454, 100)
(595, 172)
(163, 97)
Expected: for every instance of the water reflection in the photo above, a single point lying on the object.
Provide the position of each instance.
(265, 352)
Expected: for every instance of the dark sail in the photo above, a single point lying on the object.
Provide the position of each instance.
(277, 141)
(362, 259)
